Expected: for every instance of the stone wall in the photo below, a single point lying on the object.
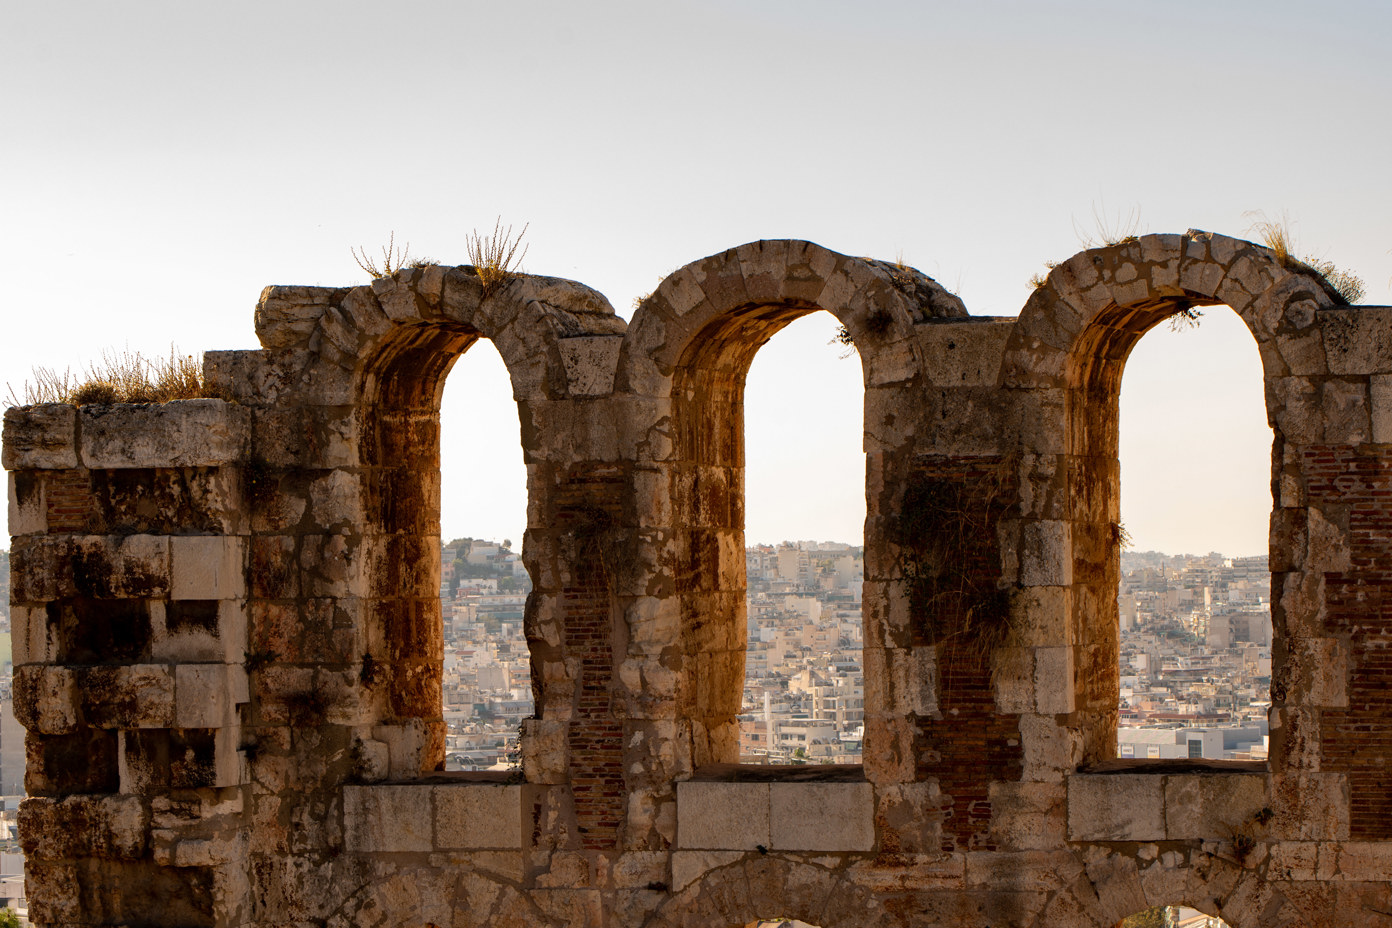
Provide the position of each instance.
(228, 643)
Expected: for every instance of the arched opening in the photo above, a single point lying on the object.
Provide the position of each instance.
(486, 684)
(708, 491)
(418, 692)
(1172, 916)
(1194, 594)
(804, 535)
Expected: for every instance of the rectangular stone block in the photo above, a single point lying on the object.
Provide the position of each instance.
(127, 697)
(1028, 816)
(1380, 407)
(722, 816)
(1053, 680)
(821, 816)
(478, 816)
(965, 353)
(182, 433)
(40, 437)
(203, 696)
(27, 509)
(1212, 805)
(1116, 807)
(590, 363)
(386, 819)
(46, 699)
(200, 631)
(207, 567)
(31, 636)
(1363, 861)
(1046, 554)
(1357, 339)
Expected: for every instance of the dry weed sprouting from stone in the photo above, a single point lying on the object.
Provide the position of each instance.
(496, 258)
(392, 261)
(1277, 235)
(1037, 281)
(120, 377)
(1123, 230)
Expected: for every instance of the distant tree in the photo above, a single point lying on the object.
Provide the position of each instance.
(1158, 917)
(507, 544)
(9, 918)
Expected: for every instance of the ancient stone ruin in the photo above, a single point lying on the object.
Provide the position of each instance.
(228, 635)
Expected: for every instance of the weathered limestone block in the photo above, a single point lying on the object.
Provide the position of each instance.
(46, 568)
(199, 631)
(966, 353)
(286, 316)
(590, 363)
(40, 437)
(722, 816)
(205, 567)
(181, 433)
(28, 509)
(1046, 554)
(1380, 407)
(46, 699)
(206, 695)
(84, 826)
(474, 816)
(821, 817)
(127, 697)
(1028, 816)
(1116, 807)
(1214, 805)
(385, 819)
(1310, 806)
(1054, 686)
(1357, 339)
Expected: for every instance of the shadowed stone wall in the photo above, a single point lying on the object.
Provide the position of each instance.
(228, 643)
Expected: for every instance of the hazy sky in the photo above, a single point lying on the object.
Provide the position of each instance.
(163, 161)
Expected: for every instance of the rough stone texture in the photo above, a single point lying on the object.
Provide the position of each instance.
(228, 645)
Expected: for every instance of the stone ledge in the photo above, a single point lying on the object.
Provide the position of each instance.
(181, 433)
(1175, 804)
(784, 816)
(40, 437)
(429, 816)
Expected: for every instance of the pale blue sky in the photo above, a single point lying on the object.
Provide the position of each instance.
(162, 162)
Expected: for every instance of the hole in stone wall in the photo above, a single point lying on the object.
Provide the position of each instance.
(778, 923)
(1194, 594)
(1172, 916)
(483, 586)
(804, 537)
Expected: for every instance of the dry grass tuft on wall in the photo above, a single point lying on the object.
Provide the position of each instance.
(1277, 236)
(496, 258)
(392, 260)
(120, 377)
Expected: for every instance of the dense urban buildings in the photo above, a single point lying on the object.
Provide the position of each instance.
(1195, 655)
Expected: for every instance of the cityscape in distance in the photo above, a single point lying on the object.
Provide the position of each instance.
(1195, 655)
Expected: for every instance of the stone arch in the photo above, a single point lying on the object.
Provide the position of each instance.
(1115, 886)
(1067, 355)
(684, 361)
(378, 355)
(739, 893)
